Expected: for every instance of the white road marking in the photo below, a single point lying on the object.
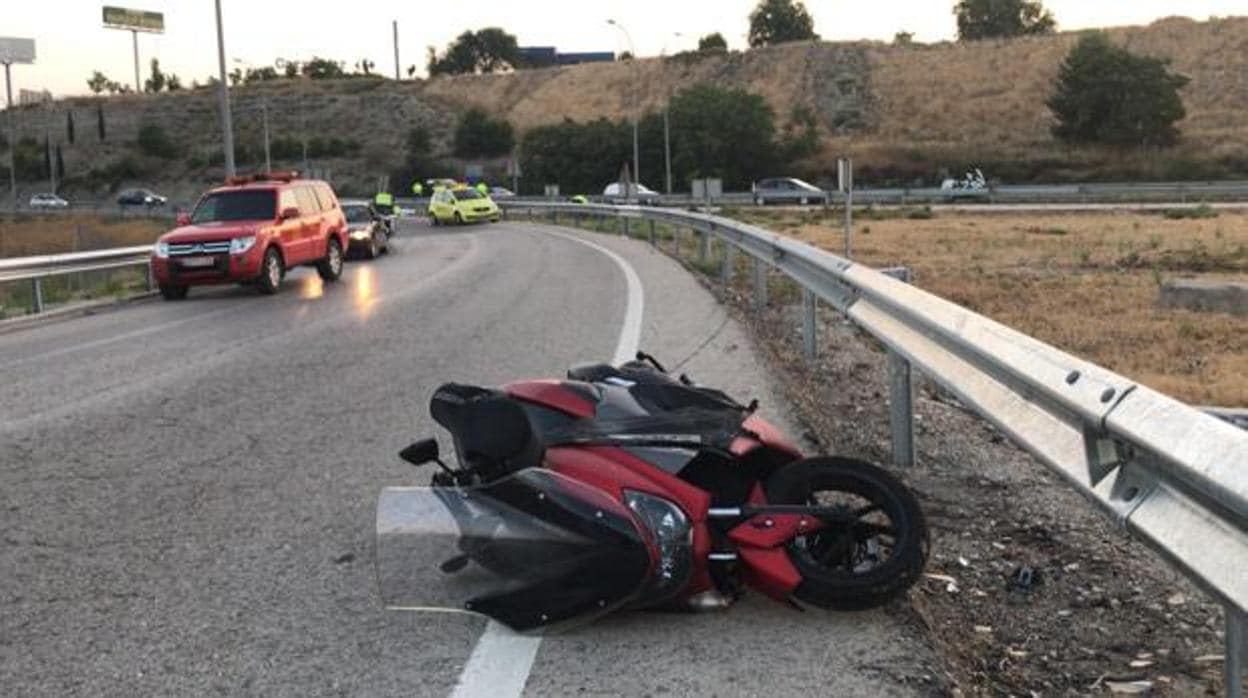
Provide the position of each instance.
(499, 665)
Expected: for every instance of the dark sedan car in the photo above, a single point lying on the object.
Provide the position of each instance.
(787, 190)
(140, 197)
(368, 232)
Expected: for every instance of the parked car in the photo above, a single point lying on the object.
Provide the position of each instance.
(501, 193)
(787, 190)
(140, 197)
(251, 231)
(619, 193)
(369, 236)
(461, 205)
(46, 200)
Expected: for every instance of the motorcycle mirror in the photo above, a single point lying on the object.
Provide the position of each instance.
(421, 452)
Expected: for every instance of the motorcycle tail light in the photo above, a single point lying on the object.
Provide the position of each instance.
(672, 536)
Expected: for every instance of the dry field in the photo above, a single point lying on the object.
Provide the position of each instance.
(50, 234)
(1086, 283)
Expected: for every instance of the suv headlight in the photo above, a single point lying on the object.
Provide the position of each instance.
(161, 249)
(241, 245)
(673, 539)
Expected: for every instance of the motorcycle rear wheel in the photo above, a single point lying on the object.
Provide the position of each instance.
(859, 562)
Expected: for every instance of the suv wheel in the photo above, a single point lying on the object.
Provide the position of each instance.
(172, 292)
(330, 268)
(271, 272)
(459, 220)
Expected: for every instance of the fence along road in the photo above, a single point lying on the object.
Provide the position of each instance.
(1169, 473)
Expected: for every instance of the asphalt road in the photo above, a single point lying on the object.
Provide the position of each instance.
(188, 488)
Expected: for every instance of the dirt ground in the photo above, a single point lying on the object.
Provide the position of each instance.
(1029, 591)
(1087, 283)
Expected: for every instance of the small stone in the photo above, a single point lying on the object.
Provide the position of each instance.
(1176, 599)
(983, 629)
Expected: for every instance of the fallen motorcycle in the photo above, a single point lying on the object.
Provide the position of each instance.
(623, 487)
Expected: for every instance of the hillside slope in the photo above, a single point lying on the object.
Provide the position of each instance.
(904, 112)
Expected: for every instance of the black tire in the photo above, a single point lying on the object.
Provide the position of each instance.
(459, 220)
(802, 201)
(330, 267)
(433, 220)
(172, 292)
(833, 576)
(272, 271)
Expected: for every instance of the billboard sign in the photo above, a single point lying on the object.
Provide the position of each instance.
(14, 50)
(134, 20)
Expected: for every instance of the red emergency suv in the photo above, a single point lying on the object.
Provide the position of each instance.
(251, 231)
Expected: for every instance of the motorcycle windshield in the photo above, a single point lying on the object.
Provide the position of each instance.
(533, 550)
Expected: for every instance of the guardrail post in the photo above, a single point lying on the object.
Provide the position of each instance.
(676, 241)
(901, 409)
(625, 227)
(654, 241)
(151, 278)
(36, 295)
(704, 248)
(1236, 651)
(760, 284)
(809, 328)
(729, 263)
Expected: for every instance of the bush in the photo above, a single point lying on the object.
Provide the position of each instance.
(1201, 211)
(477, 135)
(154, 142)
(1106, 94)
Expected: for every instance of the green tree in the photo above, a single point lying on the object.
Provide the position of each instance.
(1106, 94)
(724, 133)
(903, 38)
(419, 160)
(263, 74)
(98, 82)
(477, 135)
(322, 68)
(156, 82)
(580, 157)
(488, 50)
(780, 21)
(712, 42)
(996, 19)
(173, 83)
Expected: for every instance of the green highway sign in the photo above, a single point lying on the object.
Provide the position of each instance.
(134, 20)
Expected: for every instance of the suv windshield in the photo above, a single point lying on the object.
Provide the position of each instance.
(357, 214)
(466, 194)
(257, 205)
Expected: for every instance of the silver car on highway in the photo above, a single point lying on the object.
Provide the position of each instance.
(787, 190)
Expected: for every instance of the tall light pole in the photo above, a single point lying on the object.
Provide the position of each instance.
(636, 188)
(667, 136)
(223, 99)
(8, 112)
(396, 50)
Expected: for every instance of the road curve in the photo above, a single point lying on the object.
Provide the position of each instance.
(187, 488)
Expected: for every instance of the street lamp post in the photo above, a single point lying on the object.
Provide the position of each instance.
(223, 99)
(636, 187)
(667, 137)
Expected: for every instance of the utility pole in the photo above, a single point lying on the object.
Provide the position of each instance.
(138, 86)
(667, 147)
(636, 187)
(223, 99)
(396, 50)
(8, 88)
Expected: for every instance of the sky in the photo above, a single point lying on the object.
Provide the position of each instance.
(71, 41)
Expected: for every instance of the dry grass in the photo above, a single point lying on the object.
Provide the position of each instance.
(1087, 283)
(30, 235)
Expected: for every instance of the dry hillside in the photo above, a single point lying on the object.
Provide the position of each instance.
(904, 112)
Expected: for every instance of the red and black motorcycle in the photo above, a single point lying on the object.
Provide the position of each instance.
(623, 487)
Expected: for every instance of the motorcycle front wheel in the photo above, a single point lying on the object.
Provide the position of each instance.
(874, 547)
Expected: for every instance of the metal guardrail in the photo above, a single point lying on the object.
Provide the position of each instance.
(1174, 476)
(39, 267)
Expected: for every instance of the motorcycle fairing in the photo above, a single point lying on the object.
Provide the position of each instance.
(532, 550)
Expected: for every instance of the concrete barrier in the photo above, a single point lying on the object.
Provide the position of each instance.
(1205, 296)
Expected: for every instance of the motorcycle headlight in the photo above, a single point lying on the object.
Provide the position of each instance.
(673, 538)
(161, 249)
(241, 245)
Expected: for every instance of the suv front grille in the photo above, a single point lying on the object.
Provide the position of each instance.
(220, 247)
